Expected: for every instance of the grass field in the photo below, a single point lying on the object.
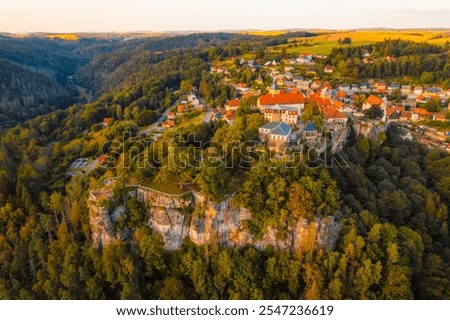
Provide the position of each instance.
(325, 42)
(265, 33)
(191, 122)
(170, 188)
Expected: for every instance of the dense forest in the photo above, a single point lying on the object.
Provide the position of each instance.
(38, 74)
(391, 198)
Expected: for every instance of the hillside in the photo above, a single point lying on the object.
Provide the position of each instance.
(158, 189)
(25, 93)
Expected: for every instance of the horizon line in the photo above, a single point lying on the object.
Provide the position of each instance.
(293, 29)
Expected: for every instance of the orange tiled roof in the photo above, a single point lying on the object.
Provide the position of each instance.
(169, 123)
(107, 121)
(405, 114)
(338, 104)
(320, 101)
(341, 94)
(439, 115)
(390, 111)
(421, 112)
(374, 100)
(330, 113)
(233, 103)
(282, 98)
(102, 158)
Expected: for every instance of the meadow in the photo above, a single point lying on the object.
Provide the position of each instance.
(327, 40)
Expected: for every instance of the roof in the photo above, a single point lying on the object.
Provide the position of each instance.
(421, 112)
(230, 114)
(282, 98)
(390, 112)
(233, 103)
(270, 125)
(310, 127)
(281, 130)
(277, 128)
(102, 158)
(330, 113)
(341, 94)
(421, 97)
(171, 114)
(374, 100)
(405, 114)
(107, 120)
(322, 102)
(439, 115)
(337, 104)
(169, 123)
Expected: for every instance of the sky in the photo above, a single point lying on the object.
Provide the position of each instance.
(18, 16)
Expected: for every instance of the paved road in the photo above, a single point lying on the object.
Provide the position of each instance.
(92, 166)
(207, 117)
(160, 119)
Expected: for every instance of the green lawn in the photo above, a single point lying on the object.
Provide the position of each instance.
(190, 122)
(170, 188)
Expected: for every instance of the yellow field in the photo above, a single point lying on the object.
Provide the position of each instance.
(267, 33)
(327, 40)
(67, 37)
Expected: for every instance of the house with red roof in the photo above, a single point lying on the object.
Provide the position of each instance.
(328, 69)
(381, 86)
(419, 114)
(282, 113)
(422, 99)
(439, 116)
(168, 124)
(229, 116)
(293, 99)
(242, 87)
(232, 104)
(181, 108)
(334, 116)
(321, 102)
(171, 115)
(107, 121)
(102, 159)
(341, 95)
(372, 101)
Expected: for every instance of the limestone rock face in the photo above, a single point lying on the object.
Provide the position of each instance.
(221, 223)
(100, 219)
(368, 129)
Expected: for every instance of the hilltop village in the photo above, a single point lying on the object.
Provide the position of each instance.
(282, 97)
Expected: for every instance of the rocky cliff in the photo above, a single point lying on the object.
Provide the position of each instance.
(177, 218)
(369, 129)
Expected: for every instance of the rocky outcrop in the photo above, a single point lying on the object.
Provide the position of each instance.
(102, 218)
(191, 216)
(369, 129)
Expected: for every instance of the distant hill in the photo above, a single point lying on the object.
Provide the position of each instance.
(25, 93)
